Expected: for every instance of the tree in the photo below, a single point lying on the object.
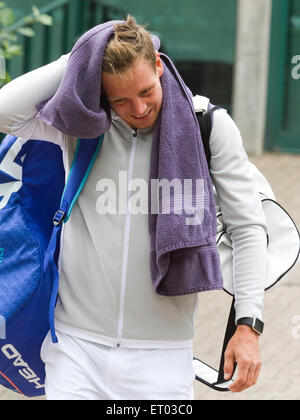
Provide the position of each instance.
(10, 31)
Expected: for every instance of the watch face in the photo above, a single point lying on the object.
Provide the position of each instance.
(258, 326)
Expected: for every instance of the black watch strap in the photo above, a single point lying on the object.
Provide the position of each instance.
(256, 324)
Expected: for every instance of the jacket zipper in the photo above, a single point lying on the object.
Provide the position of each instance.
(126, 245)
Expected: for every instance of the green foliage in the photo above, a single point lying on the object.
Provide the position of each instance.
(10, 29)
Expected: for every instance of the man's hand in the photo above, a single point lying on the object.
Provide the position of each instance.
(243, 349)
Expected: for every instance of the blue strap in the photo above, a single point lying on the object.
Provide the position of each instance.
(53, 274)
(85, 156)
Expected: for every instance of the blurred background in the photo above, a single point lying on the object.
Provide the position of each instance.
(245, 56)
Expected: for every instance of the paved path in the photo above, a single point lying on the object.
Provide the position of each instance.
(280, 344)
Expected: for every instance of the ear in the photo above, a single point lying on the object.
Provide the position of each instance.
(159, 65)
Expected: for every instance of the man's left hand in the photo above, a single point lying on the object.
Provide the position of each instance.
(243, 349)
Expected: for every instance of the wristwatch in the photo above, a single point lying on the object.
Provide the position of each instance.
(256, 324)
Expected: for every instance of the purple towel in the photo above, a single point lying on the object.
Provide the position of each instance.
(184, 257)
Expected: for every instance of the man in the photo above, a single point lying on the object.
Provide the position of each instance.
(118, 337)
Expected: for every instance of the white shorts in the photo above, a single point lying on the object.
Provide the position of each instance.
(80, 370)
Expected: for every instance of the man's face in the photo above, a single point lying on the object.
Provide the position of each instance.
(136, 95)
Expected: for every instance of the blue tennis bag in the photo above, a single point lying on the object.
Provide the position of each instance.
(35, 201)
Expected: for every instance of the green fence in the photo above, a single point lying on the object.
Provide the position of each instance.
(200, 38)
(192, 30)
(283, 126)
(202, 32)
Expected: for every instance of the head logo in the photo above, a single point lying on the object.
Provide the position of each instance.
(25, 371)
(10, 173)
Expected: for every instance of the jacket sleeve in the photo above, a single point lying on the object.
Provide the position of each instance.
(242, 213)
(18, 100)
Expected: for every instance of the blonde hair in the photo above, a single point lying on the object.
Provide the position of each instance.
(129, 43)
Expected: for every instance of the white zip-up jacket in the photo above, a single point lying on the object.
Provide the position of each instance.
(106, 293)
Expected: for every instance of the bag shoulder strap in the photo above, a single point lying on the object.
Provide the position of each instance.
(205, 123)
(84, 158)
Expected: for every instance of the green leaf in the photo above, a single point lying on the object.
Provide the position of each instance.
(4, 54)
(14, 49)
(7, 17)
(29, 20)
(45, 20)
(7, 56)
(7, 36)
(2, 4)
(36, 11)
(25, 31)
(5, 43)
